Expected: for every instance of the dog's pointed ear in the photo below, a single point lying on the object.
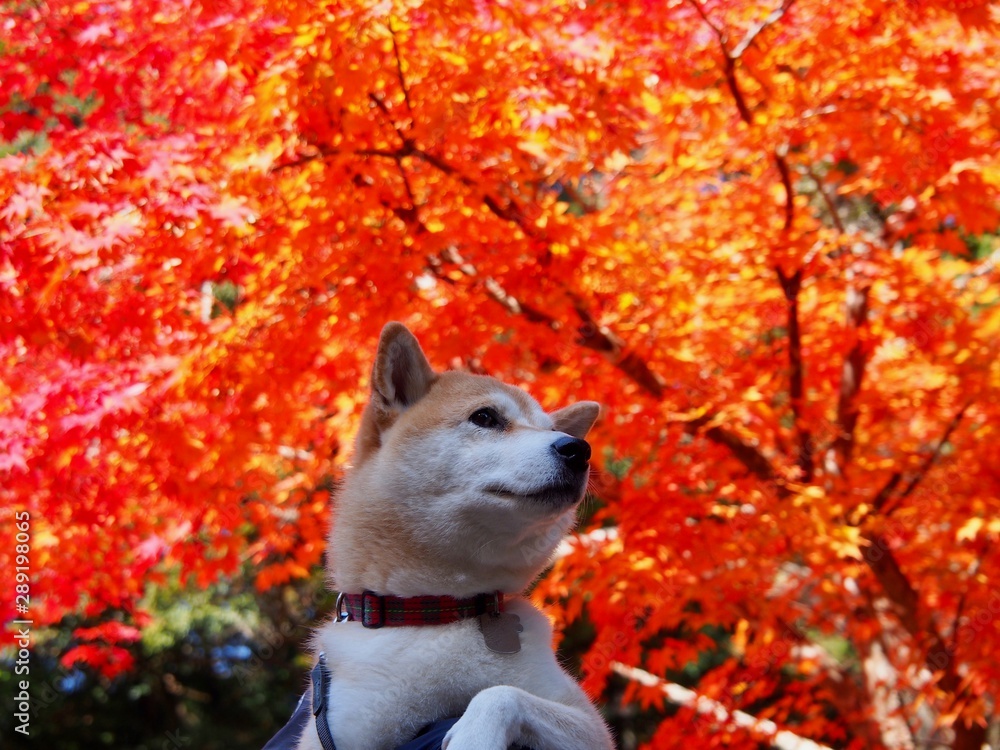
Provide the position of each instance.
(576, 419)
(401, 377)
(402, 374)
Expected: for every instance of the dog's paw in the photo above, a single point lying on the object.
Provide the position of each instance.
(486, 723)
(467, 738)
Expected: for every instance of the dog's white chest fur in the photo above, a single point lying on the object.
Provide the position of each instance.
(389, 683)
(461, 486)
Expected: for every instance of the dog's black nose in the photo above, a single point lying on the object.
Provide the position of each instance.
(574, 451)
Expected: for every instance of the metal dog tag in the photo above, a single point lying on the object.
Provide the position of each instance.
(501, 632)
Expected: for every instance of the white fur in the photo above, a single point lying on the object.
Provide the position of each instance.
(443, 506)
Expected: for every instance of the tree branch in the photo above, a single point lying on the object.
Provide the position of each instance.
(786, 181)
(929, 461)
(791, 285)
(881, 502)
(729, 63)
(719, 33)
(830, 205)
(737, 92)
(399, 69)
(773, 17)
(765, 729)
(731, 56)
(516, 307)
(601, 339)
(851, 376)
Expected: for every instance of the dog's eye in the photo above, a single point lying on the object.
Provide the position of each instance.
(487, 418)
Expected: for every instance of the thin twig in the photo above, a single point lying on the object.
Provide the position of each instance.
(791, 285)
(928, 462)
(786, 180)
(831, 207)
(399, 70)
(719, 33)
(773, 17)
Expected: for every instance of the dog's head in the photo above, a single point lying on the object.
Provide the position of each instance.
(460, 482)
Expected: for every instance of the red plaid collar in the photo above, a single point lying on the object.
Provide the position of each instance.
(375, 611)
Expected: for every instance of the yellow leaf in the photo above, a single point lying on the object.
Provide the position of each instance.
(969, 529)
(533, 148)
(739, 639)
(651, 103)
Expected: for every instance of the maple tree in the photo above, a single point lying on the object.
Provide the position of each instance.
(758, 232)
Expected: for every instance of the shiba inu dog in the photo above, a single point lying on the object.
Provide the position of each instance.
(461, 489)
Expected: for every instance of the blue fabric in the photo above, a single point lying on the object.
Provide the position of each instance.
(431, 738)
(288, 736)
